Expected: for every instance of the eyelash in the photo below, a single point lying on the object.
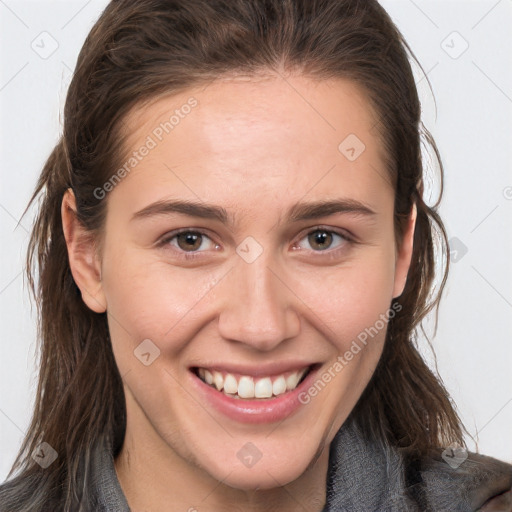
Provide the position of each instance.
(197, 254)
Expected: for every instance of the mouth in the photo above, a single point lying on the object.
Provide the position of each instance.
(259, 395)
(247, 387)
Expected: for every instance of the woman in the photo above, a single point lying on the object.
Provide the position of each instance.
(234, 254)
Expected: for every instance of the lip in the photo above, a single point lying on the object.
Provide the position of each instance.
(269, 370)
(253, 411)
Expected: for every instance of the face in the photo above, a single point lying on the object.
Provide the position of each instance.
(273, 283)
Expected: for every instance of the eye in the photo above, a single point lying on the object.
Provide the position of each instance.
(321, 239)
(188, 241)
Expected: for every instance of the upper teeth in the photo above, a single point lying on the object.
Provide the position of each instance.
(247, 387)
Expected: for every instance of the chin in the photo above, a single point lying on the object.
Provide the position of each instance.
(264, 478)
(267, 473)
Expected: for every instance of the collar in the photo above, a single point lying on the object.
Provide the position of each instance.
(363, 475)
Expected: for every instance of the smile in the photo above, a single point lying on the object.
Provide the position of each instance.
(246, 387)
(249, 394)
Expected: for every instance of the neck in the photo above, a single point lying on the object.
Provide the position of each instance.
(155, 477)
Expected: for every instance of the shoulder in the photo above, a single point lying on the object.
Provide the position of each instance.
(15, 494)
(477, 482)
(27, 493)
(94, 487)
(500, 503)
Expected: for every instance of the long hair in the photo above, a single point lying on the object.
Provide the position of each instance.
(140, 50)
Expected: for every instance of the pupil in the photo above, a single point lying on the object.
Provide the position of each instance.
(320, 237)
(190, 239)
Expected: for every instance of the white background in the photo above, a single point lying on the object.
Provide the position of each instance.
(473, 130)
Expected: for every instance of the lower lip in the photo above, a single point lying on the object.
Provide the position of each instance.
(254, 411)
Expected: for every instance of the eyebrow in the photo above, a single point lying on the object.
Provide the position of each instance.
(298, 212)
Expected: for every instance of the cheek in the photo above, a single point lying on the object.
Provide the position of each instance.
(351, 299)
(352, 309)
(148, 299)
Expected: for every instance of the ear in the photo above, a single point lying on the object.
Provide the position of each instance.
(83, 259)
(403, 260)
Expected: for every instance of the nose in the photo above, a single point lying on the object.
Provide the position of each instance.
(258, 307)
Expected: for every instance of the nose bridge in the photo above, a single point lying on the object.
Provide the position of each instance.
(258, 309)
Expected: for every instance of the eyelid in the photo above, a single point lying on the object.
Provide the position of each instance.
(331, 253)
(166, 239)
(339, 231)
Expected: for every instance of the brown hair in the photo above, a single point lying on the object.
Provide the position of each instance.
(140, 50)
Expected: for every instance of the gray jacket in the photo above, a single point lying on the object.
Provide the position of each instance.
(363, 476)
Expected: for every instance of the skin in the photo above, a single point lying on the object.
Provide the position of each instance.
(255, 147)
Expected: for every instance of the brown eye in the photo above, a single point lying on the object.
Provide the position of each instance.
(188, 243)
(320, 239)
(324, 240)
(189, 240)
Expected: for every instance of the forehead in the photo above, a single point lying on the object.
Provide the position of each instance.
(296, 105)
(271, 135)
